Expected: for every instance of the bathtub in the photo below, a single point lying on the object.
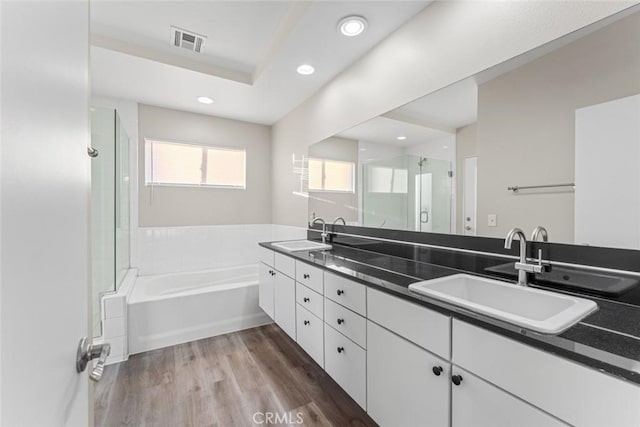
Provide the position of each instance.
(170, 309)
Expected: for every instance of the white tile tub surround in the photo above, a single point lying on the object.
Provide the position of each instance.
(180, 249)
(114, 319)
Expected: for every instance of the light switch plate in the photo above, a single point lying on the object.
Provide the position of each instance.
(492, 220)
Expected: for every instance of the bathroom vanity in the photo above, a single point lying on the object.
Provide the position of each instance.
(410, 360)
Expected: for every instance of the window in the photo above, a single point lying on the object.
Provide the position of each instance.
(331, 175)
(388, 180)
(175, 163)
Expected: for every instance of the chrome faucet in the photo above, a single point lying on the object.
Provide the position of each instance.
(333, 226)
(522, 266)
(540, 231)
(324, 229)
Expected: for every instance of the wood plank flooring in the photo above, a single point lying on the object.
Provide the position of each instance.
(223, 381)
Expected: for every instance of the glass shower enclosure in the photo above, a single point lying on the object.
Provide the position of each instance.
(109, 207)
(408, 192)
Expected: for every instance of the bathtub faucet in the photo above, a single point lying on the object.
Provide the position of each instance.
(324, 229)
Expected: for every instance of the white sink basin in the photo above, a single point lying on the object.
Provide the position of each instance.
(541, 311)
(301, 245)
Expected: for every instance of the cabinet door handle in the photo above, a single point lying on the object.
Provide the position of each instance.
(306, 276)
(456, 379)
(306, 322)
(305, 299)
(340, 321)
(437, 370)
(340, 292)
(340, 349)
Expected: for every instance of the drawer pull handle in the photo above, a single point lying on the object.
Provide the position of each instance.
(340, 349)
(306, 322)
(340, 292)
(306, 276)
(456, 379)
(340, 321)
(437, 370)
(305, 299)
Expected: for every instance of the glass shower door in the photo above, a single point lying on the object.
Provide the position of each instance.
(109, 207)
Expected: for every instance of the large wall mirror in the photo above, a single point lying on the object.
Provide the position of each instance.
(550, 138)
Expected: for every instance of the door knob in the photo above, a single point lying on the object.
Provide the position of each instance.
(87, 352)
(340, 321)
(437, 370)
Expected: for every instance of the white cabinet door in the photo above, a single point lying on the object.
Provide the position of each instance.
(310, 334)
(265, 289)
(284, 290)
(406, 385)
(346, 362)
(476, 403)
(570, 391)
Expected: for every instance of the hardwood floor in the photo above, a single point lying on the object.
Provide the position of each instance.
(223, 381)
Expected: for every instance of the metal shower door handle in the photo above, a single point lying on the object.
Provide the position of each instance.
(424, 217)
(87, 352)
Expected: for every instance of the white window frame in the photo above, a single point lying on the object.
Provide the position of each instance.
(148, 164)
(353, 177)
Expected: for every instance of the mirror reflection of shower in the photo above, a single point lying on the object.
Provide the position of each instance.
(407, 192)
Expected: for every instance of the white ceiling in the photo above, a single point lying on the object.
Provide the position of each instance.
(250, 58)
(384, 130)
(426, 119)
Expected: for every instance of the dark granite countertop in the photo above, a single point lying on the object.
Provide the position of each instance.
(607, 340)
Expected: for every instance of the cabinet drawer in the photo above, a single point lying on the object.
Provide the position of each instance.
(285, 264)
(309, 299)
(427, 328)
(310, 331)
(572, 392)
(266, 256)
(346, 363)
(346, 292)
(345, 321)
(309, 276)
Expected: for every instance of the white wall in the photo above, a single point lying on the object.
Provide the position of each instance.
(446, 42)
(161, 206)
(178, 249)
(526, 127)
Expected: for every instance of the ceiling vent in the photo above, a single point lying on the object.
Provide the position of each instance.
(187, 40)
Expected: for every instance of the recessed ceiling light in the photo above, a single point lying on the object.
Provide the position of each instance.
(401, 138)
(352, 26)
(306, 69)
(205, 100)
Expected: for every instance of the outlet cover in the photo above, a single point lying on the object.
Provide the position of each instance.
(492, 220)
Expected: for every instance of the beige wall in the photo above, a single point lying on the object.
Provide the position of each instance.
(444, 43)
(330, 205)
(526, 127)
(174, 206)
(465, 147)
